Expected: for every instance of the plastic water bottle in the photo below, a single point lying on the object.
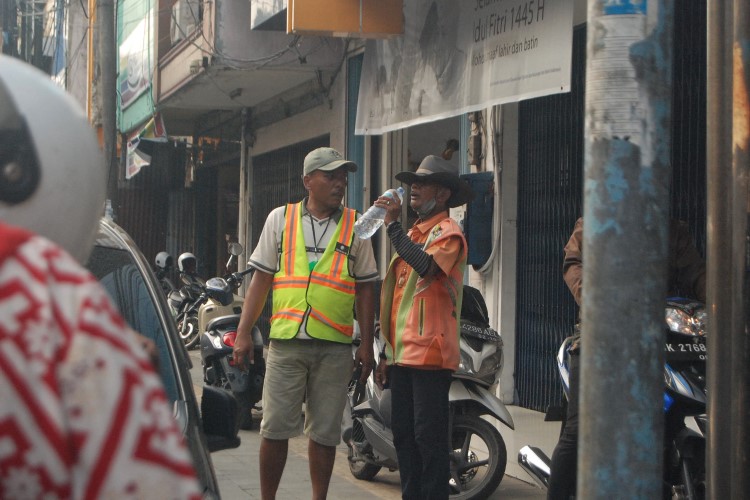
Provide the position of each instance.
(371, 220)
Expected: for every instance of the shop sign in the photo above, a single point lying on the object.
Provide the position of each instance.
(462, 56)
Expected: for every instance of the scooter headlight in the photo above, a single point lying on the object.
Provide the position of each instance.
(484, 363)
(680, 321)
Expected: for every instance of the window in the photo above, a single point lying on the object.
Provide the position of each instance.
(118, 273)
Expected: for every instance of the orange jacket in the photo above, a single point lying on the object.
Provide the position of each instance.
(427, 317)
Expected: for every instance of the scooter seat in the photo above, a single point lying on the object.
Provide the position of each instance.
(223, 321)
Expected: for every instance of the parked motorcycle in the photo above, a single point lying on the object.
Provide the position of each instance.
(479, 455)
(184, 306)
(684, 396)
(193, 308)
(219, 315)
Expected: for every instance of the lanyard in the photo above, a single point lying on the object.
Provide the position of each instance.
(316, 241)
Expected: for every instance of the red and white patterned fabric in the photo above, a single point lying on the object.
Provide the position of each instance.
(82, 412)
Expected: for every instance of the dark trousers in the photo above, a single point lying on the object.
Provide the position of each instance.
(562, 482)
(421, 433)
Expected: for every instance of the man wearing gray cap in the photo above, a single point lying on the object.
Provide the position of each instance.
(320, 274)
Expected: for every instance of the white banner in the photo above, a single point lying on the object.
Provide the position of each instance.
(458, 56)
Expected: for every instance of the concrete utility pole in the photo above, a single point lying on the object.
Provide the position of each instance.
(728, 156)
(626, 216)
(245, 193)
(105, 57)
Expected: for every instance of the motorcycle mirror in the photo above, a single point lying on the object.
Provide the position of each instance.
(235, 248)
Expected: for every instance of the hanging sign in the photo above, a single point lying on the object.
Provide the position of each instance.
(462, 56)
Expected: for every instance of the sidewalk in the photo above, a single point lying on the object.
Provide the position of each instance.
(237, 470)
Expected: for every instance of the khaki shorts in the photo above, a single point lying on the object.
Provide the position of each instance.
(314, 371)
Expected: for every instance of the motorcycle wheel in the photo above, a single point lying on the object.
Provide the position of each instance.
(357, 465)
(361, 469)
(478, 458)
(188, 330)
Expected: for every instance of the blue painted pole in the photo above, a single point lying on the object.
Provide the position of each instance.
(626, 214)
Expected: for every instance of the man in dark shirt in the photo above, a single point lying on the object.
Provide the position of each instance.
(687, 277)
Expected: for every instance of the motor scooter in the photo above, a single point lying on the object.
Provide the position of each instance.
(479, 456)
(211, 309)
(219, 311)
(684, 396)
(219, 369)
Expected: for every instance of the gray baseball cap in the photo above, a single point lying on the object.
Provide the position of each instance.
(326, 159)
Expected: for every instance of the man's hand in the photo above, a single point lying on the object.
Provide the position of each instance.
(243, 350)
(381, 374)
(255, 299)
(392, 206)
(364, 358)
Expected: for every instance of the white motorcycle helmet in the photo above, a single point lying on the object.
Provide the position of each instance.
(52, 173)
(184, 260)
(163, 260)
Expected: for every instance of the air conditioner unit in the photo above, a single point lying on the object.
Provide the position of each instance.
(185, 18)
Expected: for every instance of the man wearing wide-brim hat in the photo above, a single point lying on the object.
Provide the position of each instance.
(420, 307)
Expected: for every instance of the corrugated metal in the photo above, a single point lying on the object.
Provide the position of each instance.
(277, 180)
(143, 203)
(155, 209)
(180, 223)
(688, 201)
(205, 190)
(549, 201)
(550, 197)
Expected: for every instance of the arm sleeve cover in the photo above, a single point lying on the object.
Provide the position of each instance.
(412, 253)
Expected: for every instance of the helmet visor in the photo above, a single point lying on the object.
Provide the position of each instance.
(19, 165)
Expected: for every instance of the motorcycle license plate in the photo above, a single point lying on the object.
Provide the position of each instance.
(685, 351)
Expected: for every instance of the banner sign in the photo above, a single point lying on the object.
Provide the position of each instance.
(136, 45)
(135, 63)
(461, 56)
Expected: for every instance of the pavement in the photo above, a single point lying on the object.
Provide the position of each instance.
(238, 476)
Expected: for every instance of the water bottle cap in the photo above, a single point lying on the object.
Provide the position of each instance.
(399, 192)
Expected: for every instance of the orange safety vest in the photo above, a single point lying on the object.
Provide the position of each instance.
(325, 295)
(427, 321)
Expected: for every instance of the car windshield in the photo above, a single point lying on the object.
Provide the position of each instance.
(118, 273)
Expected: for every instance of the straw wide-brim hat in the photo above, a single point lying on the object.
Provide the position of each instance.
(437, 170)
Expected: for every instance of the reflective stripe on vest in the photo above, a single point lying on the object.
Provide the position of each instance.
(325, 295)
